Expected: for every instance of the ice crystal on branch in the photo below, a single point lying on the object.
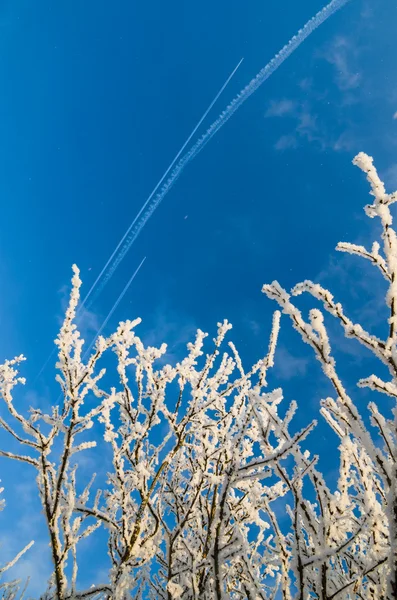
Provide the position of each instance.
(365, 503)
(210, 493)
(197, 466)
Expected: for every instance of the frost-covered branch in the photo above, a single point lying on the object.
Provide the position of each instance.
(367, 490)
(209, 492)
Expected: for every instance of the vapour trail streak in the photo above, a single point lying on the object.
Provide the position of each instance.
(115, 305)
(245, 93)
(98, 333)
(102, 327)
(94, 285)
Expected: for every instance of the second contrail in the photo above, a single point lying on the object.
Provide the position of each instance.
(115, 305)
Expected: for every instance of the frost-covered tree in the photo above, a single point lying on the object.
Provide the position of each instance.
(197, 463)
(210, 493)
(367, 494)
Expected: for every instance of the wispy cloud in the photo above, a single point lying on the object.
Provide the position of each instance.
(286, 142)
(288, 366)
(87, 321)
(308, 128)
(281, 108)
(171, 328)
(316, 99)
(254, 326)
(367, 11)
(342, 54)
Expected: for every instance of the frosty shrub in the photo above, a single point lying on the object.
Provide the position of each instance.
(364, 508)
(208, 486)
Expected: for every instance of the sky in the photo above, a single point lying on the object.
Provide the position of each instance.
(97, 98)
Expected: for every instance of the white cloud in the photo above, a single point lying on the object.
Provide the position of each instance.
(308, 128)
(87, 321)
(345, 142)
(167, 326)
(281, 108)
(286, 142)
(288, 366)
(253, 325)
(340, 54)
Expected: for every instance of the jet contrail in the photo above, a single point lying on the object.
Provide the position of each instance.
(94, 285)
(133, 232)
(98, 333)
(115, 305)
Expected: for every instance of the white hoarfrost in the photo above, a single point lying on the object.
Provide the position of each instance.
(210, 492)
(361, 516)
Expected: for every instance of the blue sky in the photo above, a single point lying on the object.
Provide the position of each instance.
(97, 97)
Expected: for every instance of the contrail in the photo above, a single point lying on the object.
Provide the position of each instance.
(102, 327)
(98, 333)
(94, 285)
(133, 231)
(115, 305)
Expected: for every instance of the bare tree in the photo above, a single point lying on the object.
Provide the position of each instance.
(206, 492)
(367, 470)
(192, 448)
